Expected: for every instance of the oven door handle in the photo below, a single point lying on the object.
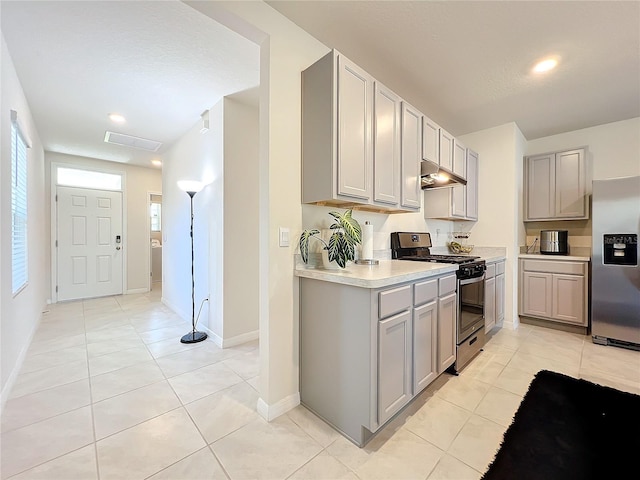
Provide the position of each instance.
(469, 281)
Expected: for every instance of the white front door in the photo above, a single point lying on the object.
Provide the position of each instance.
(90, 243)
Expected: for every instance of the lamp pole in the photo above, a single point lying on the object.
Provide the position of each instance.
(193, 336)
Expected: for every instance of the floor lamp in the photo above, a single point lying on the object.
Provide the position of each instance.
(193, 336)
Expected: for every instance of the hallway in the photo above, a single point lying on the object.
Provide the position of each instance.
(107, 391)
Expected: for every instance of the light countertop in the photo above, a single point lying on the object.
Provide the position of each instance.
(387, 272)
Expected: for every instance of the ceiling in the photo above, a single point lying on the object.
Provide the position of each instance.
(161, 64)
(466, 64)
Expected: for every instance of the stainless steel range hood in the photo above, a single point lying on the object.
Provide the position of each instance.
(432, 176)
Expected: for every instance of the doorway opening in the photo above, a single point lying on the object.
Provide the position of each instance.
(155, 241)
(88, 250)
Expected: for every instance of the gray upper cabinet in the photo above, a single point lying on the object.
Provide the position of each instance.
(355, 110)
(353, 138)
(387, 129)
(459, 159)
(411, 156)
(555, 186)
(471, 195)
(446, 150)
(430, 140)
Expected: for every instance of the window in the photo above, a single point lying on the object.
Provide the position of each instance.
(19, 257)
(73, 177)
(156, 220)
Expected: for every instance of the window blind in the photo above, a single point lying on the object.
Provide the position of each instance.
(19, 251)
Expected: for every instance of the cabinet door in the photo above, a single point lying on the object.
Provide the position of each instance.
(536, 294)
(471, 196)
(430, 140)
(447, 308)
(500, 298)
(458, 201)
(386, 152)
(355, 156)
(489, 304)
(459, 159)
(540, 201)
(446, 150)
(394, 364)
(570, 191)
(425, 345)
(411, 156)
(568, 298)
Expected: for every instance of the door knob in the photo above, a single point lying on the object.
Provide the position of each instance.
(118, 248)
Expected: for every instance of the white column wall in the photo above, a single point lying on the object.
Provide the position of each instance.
(241, 220)
(500, 151)
(286, 50)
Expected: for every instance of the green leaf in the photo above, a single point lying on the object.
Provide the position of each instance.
(304, 243)
(350, 226)
(341, 250)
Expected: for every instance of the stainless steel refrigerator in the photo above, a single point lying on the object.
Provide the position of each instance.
(615, 275)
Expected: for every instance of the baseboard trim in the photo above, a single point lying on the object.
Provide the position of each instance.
(137, 290)
(8, 386)
(240, 339)
(233, 341)
(271, 412)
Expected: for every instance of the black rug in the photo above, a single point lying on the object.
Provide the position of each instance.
(570, 429)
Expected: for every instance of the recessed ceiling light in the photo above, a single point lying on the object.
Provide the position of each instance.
(156, 162)
(117, 118)
(545, 65)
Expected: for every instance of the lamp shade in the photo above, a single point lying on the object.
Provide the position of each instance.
(190, 186)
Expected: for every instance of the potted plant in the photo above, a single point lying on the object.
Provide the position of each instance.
(341, 246)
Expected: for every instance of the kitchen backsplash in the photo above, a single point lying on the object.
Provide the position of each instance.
(579, 235)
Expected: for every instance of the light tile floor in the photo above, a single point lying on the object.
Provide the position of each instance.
(107, 391)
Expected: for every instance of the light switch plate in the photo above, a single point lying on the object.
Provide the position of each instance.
(284, 236)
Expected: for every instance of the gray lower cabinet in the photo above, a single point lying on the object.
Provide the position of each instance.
(447, 308)
(554, 290)
(365, 353)
(425, 333)
(394, 364)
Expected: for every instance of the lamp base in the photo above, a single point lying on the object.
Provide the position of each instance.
(193, 337)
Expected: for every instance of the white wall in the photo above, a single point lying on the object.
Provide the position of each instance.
(241, 219)
(20, 315)
(195, 156)
(139, 182)
(500, 152)
(225, 224)
(614, 148)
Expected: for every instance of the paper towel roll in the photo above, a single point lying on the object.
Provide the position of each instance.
(367, 241)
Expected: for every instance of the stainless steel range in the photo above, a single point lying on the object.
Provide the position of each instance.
(470, 274)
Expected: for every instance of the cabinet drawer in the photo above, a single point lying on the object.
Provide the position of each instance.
(424, 292)
(491, 271)
(500, 268)
(570, 268)
(447, 285)
(394, 301)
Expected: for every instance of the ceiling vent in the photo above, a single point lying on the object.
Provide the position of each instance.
(129, 141)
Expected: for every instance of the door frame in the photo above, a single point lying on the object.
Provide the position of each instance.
(149, 193)
(53, 173)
